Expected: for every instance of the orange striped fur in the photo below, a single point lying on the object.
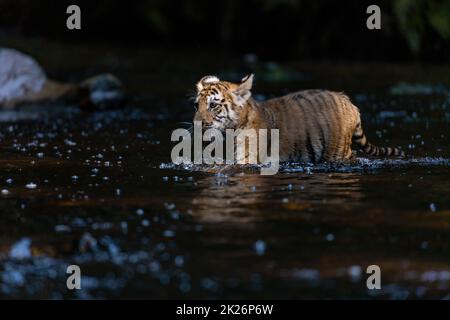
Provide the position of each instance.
(315, 125)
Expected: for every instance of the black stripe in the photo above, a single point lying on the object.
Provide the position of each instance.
(219, 84)
(310, 148)
(317, 101)
(294, 155)
(299, 96)
(322, 137)
(326, 119)
(374, 151)
(309, 145)
(228, 112)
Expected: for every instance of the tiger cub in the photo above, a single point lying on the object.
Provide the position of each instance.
(314, 125)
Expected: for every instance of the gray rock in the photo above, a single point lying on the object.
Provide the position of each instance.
(20, 75)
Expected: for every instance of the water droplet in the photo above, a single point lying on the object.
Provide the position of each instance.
(179, 261)
(260, 247)
(355, 272)
(433, 207)
(62, 228)
(31, 185)
(424, 245)
(69, 142)
(21, 249)
(169, 233)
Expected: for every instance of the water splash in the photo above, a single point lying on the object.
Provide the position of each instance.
(357, 165)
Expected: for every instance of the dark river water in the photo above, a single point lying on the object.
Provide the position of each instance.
(98, 190)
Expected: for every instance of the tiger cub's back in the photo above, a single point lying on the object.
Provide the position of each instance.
(315, 125)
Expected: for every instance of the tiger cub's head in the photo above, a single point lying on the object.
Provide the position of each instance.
(221, 104)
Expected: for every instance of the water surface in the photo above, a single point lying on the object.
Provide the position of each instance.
(98, 190)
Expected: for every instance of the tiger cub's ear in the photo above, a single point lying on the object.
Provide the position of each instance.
(206, 80)
(243, 90)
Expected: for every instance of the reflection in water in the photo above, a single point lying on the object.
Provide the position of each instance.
(249, 197)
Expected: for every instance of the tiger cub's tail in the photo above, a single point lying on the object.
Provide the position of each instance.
(360, 139)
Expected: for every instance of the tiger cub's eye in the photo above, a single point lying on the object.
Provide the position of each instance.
(213, 105)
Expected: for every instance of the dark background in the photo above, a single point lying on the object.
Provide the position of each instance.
(412, 30)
